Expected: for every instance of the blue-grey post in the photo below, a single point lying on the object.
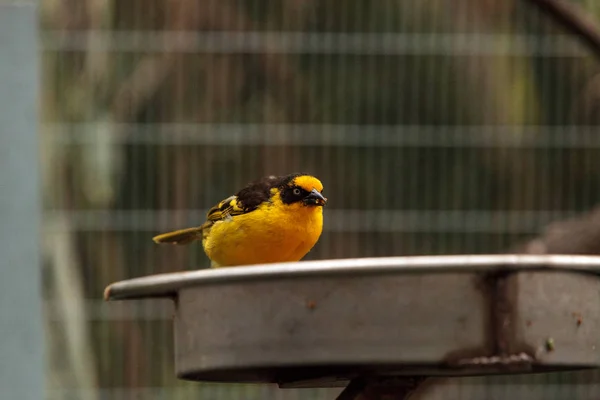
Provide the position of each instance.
(21, 326)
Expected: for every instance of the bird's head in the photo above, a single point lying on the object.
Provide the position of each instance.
(301, 190)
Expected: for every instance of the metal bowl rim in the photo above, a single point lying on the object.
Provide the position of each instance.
(167, 285)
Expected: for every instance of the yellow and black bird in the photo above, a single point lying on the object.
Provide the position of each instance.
(274, 219)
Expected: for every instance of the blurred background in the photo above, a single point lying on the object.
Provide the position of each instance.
(437, 127)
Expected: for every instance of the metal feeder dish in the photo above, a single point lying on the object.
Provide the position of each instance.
(325, 323)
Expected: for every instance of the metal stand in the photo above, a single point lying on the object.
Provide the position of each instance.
(380, 388)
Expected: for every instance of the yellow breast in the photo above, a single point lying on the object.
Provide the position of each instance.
(274, 232)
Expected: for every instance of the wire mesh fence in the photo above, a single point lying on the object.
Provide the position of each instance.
(436, 127)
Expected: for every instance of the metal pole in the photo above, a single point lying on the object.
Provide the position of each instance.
(21, 327)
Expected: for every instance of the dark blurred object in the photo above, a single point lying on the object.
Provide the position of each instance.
(574, 19)
(578, 235)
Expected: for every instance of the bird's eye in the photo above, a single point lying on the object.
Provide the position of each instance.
(296, 192)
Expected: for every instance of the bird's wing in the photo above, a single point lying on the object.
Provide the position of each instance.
(227, 208)
(244, 201)
(223, 211)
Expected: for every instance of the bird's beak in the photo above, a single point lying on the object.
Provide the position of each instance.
(315, 198)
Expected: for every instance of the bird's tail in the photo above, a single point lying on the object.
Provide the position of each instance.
(182, 236)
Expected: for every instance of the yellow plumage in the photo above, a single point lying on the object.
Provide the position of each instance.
(276, 219)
